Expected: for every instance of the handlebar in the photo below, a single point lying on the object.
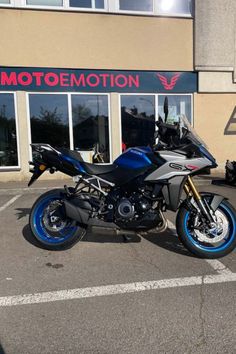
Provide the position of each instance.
(167, 126)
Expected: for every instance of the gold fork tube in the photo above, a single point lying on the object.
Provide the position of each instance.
(190, 187)
(186, 189)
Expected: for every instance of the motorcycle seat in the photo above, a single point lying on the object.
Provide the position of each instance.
(93, 169)
(71, 153)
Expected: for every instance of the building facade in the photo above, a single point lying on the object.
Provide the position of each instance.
(93, 74)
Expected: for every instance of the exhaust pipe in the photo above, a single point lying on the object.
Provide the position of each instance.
(76, 213)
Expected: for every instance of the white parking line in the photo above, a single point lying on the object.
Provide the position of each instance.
(218, 266)
(116, 289)
(11, 201)
(215, 264)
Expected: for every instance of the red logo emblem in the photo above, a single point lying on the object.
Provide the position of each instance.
(191, 167)
(171, 84)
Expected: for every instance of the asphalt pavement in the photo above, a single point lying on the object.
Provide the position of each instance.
(106, 296)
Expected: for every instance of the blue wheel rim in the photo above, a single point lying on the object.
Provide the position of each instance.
(211, 248)
(63, 235)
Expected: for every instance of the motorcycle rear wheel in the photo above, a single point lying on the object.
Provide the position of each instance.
(209, 243)
(49, 224)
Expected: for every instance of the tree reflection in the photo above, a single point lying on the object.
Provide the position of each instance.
(90, 130)
(48, 127)
(8, 143)
(137, 127)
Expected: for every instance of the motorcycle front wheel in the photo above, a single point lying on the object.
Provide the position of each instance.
(50, 226)
(213, 241)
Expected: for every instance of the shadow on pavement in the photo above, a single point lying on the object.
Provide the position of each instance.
(27, 234)
(169, 242)
(22, 212)
(1, 349)
(165, 240)
(109, 237)
(89, 237)
(222, 183)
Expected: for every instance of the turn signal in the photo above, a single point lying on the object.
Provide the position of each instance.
(42, 167)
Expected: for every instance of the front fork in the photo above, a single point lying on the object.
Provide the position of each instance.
(191, 190)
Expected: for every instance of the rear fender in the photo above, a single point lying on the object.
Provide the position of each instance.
(37, 170)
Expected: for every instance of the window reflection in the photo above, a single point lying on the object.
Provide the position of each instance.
(99, 4)
(81, 3)
(177, 104)
(138, 120)
(45, 2)
(8, 138)
(90, 123)
(137, 5)
(177, 7)
(49, 119)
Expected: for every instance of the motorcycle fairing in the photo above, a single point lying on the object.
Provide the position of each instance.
(172, 192)
(177, 164)
(173, 174)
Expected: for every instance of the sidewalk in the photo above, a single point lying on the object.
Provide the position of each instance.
(13, 188)
(38, 186)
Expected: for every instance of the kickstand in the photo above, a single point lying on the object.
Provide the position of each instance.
(126, 238)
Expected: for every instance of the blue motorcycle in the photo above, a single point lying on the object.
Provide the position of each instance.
(132, 194)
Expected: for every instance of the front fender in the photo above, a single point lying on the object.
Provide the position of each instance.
(215, 200)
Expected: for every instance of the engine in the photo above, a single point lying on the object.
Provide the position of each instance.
(132, 208)
(133, 211)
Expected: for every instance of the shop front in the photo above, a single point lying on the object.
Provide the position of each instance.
(91, 111)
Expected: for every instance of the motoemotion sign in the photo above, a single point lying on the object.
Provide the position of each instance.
(47, 79)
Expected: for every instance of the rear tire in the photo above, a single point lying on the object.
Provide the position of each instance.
(59, 235)
(202, 248)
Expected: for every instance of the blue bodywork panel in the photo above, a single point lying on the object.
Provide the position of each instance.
(134, 158)
(74, 162)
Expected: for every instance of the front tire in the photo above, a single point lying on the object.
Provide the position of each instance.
(211, 244)
(49, 224)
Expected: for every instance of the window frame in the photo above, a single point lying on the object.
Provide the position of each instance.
(135, 12)
(174, 14)
(11, 4)
(156, 101)
(23, 3)
(64, 7)
(70, 118)
(110, 7)
(17, 167)
(88, 9)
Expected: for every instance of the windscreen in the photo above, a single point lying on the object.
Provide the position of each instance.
(185, 125)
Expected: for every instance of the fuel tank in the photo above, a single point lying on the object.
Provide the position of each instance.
(135, 158)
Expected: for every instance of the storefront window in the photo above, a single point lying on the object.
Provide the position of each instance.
(4, 1)
(138, 120)
(177, 104)
(45, 2)
(8, 134)
(90, 123)
(137, 5)
(49, 119)
(175, 7)
(97, 4)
